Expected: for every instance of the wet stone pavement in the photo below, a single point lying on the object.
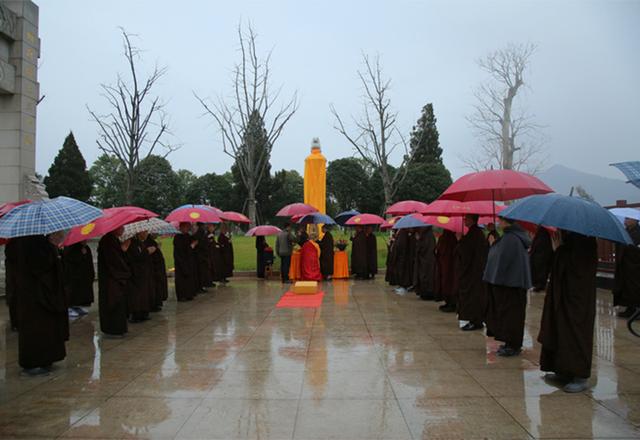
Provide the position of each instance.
(368, 364)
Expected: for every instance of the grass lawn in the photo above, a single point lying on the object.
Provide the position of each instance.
(244, 250)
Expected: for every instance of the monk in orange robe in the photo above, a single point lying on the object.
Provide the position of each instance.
(309, 259)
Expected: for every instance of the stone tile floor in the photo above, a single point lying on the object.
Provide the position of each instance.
(367, 365)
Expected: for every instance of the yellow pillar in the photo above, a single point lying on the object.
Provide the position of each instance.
(315, 178)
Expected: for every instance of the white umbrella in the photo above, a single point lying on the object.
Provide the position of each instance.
(152, 225)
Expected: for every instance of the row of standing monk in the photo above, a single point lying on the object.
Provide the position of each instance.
(485, 279)
(44, 280)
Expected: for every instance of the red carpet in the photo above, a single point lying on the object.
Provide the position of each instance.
(292, 301)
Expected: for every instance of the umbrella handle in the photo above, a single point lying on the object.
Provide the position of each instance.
(631, 320)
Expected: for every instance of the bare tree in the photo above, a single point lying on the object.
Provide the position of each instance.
(136, 124)
(510, 139)
(251, 105)
(376, 135)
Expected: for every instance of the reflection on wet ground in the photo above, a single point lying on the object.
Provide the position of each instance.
(368, 364)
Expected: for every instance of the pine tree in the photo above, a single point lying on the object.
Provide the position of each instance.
(68, 175)
(425, 143)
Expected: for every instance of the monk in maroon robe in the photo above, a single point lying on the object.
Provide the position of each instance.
(202, 257)
(79, 274)
(471, 258)
(359, 265)
(372, 252)
(185, 271)
(425, 264)
(226, 251)
(114, 275)
(161, 289)
(142, 291)
(445, 285)
(541, 257)
(42, 303)
(309, 260)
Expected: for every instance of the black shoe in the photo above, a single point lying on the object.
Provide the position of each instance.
(507, 351)
(472, 326)
(427, 297)
(447, 308)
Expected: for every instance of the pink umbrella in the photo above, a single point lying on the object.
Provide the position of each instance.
(193, 214)
(388, 223)
(296, 209)
(111, 220)
(453, 224)
(454, 208)
(495, 185)
(406, 207)
(263, 230)
(236, 217)
(364, 220)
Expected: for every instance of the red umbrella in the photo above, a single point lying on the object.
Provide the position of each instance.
(495, 185)
(236, 217)
(111, 220)
(193, 214)
(406, 207)
(453, 224)
(263, 230)
(453, 208)
(364, 220)
(296, 209)
(388, 223)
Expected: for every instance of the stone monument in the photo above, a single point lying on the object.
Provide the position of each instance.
(19, 93)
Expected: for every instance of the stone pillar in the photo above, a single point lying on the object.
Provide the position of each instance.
(19, 92)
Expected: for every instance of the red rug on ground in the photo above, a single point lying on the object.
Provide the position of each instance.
(291, 300)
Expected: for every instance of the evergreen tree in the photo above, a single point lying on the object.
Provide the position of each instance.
(346, 180)
(157, 186)
(287, 187)
(427, 177)
(212, 189)
(109, 179)
(68, 175)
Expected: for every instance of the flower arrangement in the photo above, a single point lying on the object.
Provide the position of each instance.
(341, 244)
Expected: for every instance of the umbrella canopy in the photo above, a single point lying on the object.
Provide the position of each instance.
(623, 213)
(364, 220)
(346, 215)
(152, 225)
(452, 208)
(388, 223)
(263, 230)
(631, 170)
(211, 208)
(406, 207)
(296, 209)
(46, 216)
(453, 224)
(193, 214)
(235, 217)
(6, 207)
(111, 220)
(316, 218)
(495, 185)
(569, 213)
(410, 221)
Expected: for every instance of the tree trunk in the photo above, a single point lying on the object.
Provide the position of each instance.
(251, 205)
(128, 194)
(386, 185)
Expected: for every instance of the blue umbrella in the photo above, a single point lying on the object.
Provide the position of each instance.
(316, 218)
(622, 213)
(409, 221)
(46, 216)
(568, 213)
(342, 218)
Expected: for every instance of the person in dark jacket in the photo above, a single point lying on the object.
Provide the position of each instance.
(471, 258)
(261, 246)
(185, 271)
(326, 254)
(425, 264)
(568, 316)
(359, 266)
(42, 303)
(114, 276)
(626, 290)
(161, 289)
(445, 289)
(541, 256)
(508, 276)
(142, 293)
(79, 275)
(372, 252)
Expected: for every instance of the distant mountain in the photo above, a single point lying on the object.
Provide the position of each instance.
(605, 190)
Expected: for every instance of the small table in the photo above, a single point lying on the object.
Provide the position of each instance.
(340, 265)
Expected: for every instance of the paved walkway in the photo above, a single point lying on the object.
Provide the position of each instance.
(368, 364)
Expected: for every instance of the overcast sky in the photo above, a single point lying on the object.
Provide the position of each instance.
(583, 85)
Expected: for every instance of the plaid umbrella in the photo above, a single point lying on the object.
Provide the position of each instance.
(152, 225)
(46, 216)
